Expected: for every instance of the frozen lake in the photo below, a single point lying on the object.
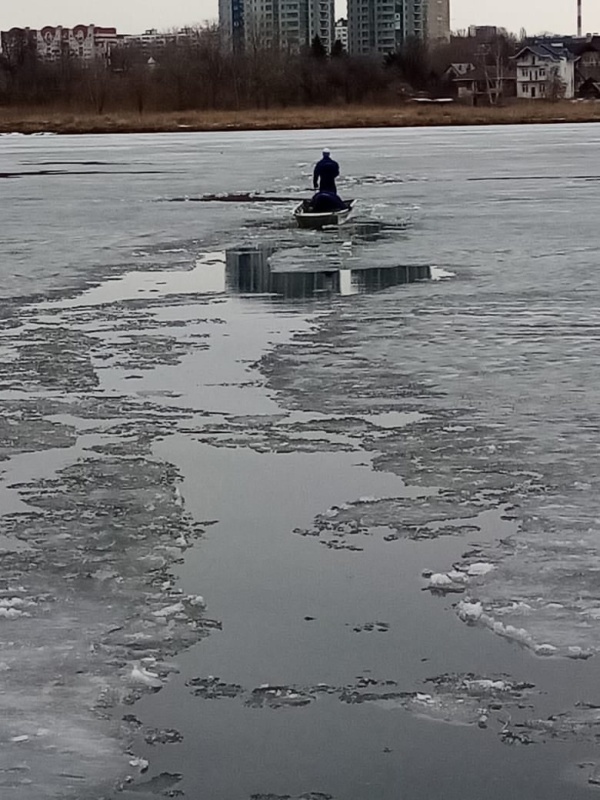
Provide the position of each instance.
(294, 514)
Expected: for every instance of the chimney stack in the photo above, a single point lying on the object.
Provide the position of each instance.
(579, 19)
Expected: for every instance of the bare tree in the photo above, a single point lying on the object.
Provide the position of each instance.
(556, 88)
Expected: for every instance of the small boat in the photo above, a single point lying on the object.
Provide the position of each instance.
(309, 219)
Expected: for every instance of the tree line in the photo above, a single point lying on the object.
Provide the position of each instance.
(202, 73)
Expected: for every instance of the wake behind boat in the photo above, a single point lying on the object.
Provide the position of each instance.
(307, 217)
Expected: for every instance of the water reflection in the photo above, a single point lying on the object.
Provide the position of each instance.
(248, 271)
(375, 230)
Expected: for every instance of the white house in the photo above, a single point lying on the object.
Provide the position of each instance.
(545, 69)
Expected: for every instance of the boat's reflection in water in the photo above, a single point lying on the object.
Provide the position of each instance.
(248, 271)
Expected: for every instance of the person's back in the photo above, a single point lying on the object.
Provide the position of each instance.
(324, 202)
(326, 171)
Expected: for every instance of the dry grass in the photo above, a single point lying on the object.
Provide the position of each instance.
(412, 115)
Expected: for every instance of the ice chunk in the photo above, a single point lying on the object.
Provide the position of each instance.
(10, 613)
(424, 698)
(140, 763)
(169, 611)
(470, 611)
(480, 568)
(439, 580)
(140, 675)
(447, 582)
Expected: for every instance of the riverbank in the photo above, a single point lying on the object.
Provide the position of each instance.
(30, 121)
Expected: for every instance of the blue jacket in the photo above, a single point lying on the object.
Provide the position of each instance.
(324, 202)
(326, 171)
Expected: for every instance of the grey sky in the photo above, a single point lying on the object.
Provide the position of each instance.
(132, 16)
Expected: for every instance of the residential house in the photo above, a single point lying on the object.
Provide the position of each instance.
(457, 70)
(485, 85)
(544, 70)
(587, 72)
(589, 89)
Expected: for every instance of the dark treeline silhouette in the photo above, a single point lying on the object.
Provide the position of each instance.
(202, 73)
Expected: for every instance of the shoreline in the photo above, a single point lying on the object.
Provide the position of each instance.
(36, 121)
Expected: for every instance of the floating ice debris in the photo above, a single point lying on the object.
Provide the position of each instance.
(140, 763)
(469, 611)
(439, 580)
(379, 627)
(213, 688)
(19, 739)
(447, 582)
(141, 675)
(520, 607)
(485, 685)
(578, 652)
(423, 698)
(480, 568)
(279, 697)
(439, 274)
(11, 613)
(545, 650)
(196, 600)
(169, 611)
(166, 736)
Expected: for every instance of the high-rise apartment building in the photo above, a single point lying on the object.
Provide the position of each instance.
(84, 43)
(289, 24)
(261, 23)
(231, 20)
(321, 22)
(438, 20)
(415, 19)
(380, 26)
(372, 26)
(341, 32)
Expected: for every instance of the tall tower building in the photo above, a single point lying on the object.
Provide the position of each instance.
(293, 25)
(261, 23)
(373, 26)
(438, 20)
(322, 22)
(380, 26)
(289, 24)
(415, 18)
(231, 22)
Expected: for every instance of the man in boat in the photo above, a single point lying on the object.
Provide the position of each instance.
(326, 199)
(326, 171)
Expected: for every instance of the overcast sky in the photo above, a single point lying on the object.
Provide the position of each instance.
(132, 16)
